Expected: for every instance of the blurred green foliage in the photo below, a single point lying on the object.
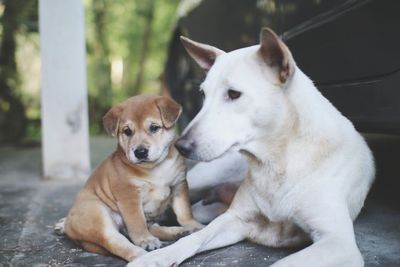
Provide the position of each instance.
(127, 42)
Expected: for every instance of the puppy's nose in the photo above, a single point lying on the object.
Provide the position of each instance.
(141, 153)
(185, 146)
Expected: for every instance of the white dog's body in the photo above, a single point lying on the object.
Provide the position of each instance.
(309, 170)
(205, 177)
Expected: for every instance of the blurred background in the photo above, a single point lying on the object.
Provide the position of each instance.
(126, 45)
(349, 48)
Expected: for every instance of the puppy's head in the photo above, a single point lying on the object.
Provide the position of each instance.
(144, 126)
(244, 96)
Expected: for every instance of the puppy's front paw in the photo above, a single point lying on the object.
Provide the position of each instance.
(182, 234)
(189, 229)
(193, 226)
(149, 243)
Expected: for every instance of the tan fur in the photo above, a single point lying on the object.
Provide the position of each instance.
(139, 193)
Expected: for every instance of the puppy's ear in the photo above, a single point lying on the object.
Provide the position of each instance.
(203, 54)
(169, 111)
(111, 120)
(276, 54)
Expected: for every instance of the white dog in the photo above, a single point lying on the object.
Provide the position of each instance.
(309, 170)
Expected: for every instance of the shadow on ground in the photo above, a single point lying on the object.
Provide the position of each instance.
(29, 207)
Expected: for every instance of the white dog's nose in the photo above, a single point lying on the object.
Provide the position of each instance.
(185, 146)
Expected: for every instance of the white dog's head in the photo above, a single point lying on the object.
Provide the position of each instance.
(244, 96)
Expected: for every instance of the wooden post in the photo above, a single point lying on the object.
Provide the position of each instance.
(65, 135)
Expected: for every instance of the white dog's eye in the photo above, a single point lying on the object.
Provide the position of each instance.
(154, 128)
(232, 94)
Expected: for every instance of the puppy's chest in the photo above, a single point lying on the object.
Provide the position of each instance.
(156, 192)
(155, 200)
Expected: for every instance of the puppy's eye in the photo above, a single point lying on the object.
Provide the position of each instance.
(154, 128)
(127, 131)
(232, 94)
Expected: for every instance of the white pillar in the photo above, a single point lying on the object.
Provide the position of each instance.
(65, 135)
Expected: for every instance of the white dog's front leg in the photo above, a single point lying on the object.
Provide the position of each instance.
(327, 252)
(334, 242)
(225, 230)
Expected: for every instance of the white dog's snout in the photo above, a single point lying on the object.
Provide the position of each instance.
(185, 146)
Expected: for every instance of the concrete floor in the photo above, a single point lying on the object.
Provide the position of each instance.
(29, 207)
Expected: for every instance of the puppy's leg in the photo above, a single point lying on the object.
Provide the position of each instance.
(167, 233)
(225, 230)
(91, 247)
(334, 242)
(131, 208)
(182, 208)
(119, 245)
(96, 229)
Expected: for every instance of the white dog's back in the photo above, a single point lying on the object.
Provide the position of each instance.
(324, 132)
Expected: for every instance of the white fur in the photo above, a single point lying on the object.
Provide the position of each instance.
(229, 168)
(156, 190)
(310, 171)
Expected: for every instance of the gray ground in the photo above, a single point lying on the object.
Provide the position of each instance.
(29, 207)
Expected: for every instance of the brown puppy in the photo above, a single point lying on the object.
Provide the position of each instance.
(133, 187)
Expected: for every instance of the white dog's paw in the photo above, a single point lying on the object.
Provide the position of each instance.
(152, 259)
(149, 243)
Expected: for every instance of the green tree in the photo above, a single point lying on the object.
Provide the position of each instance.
(101, 100)
(136, 33)
(148, 15)
(13, 119)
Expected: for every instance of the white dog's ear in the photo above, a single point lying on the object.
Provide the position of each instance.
(276, 54)
(203, 54)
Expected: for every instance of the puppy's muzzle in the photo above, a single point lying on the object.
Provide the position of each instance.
(141, 153)
(185, 146)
